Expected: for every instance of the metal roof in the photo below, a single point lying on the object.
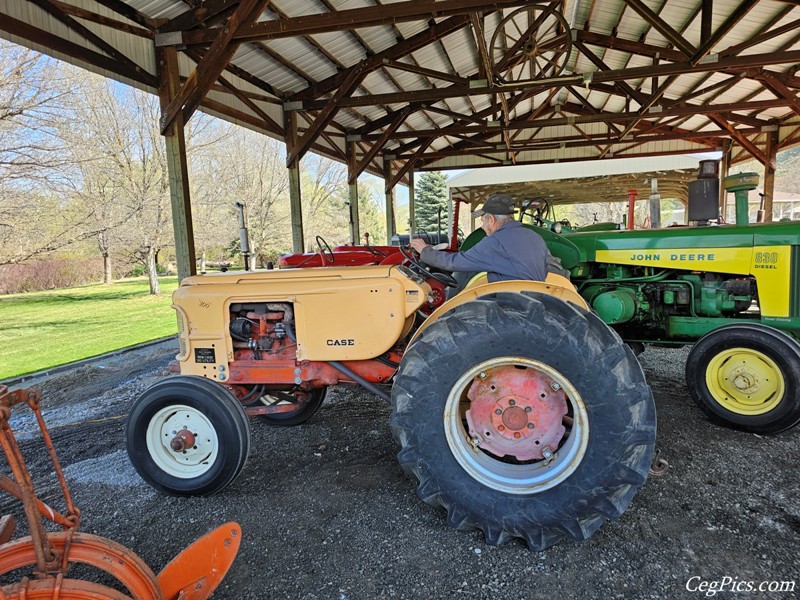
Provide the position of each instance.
(446, 84)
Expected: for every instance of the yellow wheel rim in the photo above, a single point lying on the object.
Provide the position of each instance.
(745, 381)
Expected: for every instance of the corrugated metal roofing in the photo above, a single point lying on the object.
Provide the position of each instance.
(434, 78)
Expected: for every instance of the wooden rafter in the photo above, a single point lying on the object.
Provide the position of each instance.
(737, 135)
(378, 145)
(60, 45)
(325, 116)
(371, 16)
(213, 64)
(409, 164)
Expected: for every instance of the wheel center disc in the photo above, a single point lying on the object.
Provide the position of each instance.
(516, 412)
(745, 381)
(515, 418)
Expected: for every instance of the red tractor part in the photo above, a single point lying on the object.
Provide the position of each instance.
(193, 575)
(516, 412)
(356, 256)
(631, 207)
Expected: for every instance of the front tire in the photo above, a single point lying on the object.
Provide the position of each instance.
(524, 416)
(746, 377)
(188, 436)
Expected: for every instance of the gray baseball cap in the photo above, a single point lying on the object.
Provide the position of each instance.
(496, 204)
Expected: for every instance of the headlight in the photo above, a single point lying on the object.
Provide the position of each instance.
(555, 227)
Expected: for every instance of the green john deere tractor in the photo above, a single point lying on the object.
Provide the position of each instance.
(731, 290)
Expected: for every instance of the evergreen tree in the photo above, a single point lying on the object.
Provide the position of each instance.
(430, 195)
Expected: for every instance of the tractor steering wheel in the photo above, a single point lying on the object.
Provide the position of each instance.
(417, 266)
(540, 209)
(325, 249)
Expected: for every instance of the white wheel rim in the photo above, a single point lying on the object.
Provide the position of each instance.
(192, 461)
(502, 476)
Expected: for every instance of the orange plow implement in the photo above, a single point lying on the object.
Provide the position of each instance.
(192, 575)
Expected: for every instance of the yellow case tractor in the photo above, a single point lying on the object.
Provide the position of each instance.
(517, 409)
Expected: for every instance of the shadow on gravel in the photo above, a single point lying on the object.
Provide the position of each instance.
(326, 511)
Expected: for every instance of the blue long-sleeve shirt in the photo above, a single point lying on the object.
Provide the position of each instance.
(511, 252)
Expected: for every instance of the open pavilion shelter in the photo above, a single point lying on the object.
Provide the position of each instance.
(396, 87)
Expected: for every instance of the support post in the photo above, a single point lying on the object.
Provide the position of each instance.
(411, 222)
(296, 207)
(450, 217)
(352, 188)
(724, 167)
(295, 197)
(769, 175)
(168, 85)
(391, 223)
(472, 219)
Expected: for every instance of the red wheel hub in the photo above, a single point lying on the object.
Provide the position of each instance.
(516, 412)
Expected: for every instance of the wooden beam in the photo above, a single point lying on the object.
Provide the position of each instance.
(580, 119)
(399, 50)
(710, 42)
(169, 82)
(409, 164)
(780, 90)
(352, 192)
(769, 174)
(430, 73)
(675, 38)
(213, 64)
(355, 18)
(325, 116)
(295, 192)
(391, 222)
(87, 15)
(130, 13)
(737, 64)
(269, 123)
(77, 51)
(90, 36)
(754, 151)
(378, 145)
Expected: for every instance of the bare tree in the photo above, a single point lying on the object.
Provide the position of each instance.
(36, 92)
(325, 199)
(120, 172)
(249, 168)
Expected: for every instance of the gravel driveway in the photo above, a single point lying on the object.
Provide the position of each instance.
(326, 511)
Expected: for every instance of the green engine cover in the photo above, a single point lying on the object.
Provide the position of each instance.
(616, 306)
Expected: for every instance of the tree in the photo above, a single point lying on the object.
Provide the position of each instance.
(430, 197)
(249, 168)
(324, 193)
(36, 92)
(371, 215)
(120, 171)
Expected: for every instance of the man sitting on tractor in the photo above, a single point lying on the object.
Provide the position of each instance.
(509, 251)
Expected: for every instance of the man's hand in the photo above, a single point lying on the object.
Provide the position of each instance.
(417, 244)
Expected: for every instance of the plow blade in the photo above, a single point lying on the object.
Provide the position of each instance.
(197, 571)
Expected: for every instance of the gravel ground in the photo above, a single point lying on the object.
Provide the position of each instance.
(326, 511)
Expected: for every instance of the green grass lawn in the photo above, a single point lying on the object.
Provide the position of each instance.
(39, 330)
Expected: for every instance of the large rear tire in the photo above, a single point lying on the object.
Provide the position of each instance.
(746, 377)
(188, 436)
(561, 424)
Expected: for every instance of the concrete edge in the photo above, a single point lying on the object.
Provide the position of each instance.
(83, 362)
